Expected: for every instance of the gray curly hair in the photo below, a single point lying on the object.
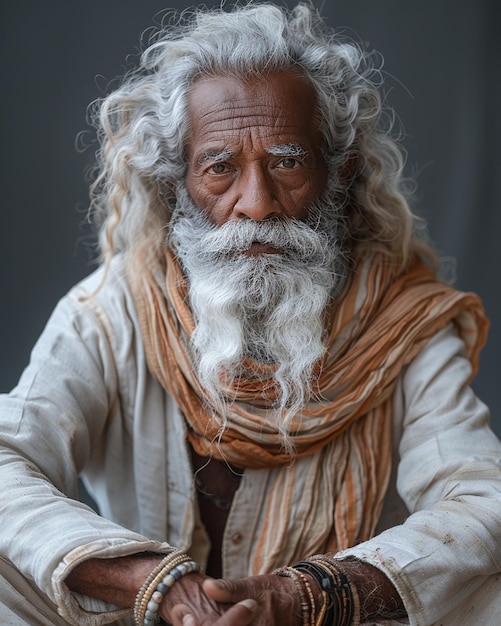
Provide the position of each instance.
(142, 125)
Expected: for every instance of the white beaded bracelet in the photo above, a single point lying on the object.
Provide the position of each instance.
(173, 558)
(167, 582)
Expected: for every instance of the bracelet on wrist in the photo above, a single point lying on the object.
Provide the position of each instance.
(340, 593)
(160, 580)
(305, 593)
(337, 604)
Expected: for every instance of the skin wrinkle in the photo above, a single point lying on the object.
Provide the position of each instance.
(247, 116)
(244, 118)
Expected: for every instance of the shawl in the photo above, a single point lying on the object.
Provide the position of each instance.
(328, 495)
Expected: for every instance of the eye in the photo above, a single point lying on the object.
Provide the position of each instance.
(288, 163)
(217, 168)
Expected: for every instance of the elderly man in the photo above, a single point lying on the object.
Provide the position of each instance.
(265, 381)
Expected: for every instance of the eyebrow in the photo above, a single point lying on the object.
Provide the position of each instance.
(288, 150)
(215, 156)
(292, 149)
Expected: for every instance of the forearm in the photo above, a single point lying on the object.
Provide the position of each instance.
(116, 581)
(377, 595)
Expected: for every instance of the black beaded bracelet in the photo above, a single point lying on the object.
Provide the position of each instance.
(336, 592)
(326, 584)
(345, 594)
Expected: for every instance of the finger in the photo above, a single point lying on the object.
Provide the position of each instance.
(239, 614)
(189, 620)
(227, 590)
(181, 615)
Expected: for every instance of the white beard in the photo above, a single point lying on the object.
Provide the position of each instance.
(269, 307)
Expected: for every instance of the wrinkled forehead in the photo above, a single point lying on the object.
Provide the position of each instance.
(284, 102)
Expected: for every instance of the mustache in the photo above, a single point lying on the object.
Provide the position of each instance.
(287, 235)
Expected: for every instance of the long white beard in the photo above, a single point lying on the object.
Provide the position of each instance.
(269, 307)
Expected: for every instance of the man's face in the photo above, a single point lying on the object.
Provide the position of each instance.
(254, 148)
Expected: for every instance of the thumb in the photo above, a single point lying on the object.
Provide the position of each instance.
(227, 590)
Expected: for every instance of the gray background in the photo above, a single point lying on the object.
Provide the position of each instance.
(443, 65)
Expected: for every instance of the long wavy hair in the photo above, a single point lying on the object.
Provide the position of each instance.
(142, 125)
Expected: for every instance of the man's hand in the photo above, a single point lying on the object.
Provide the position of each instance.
(278, 602)
(276, 597)
(187, 604)
(196, 600)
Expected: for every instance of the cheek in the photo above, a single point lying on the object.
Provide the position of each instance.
(306, 189)
(196, 190)
(204, 200)
(300, 200)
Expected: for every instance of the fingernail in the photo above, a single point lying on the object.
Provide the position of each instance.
(249, 604)
(219, 583)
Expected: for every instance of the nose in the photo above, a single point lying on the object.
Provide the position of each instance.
(255, 196)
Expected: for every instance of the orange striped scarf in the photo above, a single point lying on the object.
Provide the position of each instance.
(330, 494)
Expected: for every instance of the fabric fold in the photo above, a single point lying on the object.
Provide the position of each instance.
(378, 324)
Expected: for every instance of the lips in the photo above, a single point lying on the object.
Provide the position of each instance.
(261, 248)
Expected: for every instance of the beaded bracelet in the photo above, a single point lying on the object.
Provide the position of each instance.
(308, 609)
(334, 566)
(151, 613)
(349, 595)
(344, 605)
(329, 612)
(309, 590)
(171, 559)
(158, 583)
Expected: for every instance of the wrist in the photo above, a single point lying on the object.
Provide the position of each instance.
(157, 585)
(325, 595)
(338, 603)
(379, 599)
